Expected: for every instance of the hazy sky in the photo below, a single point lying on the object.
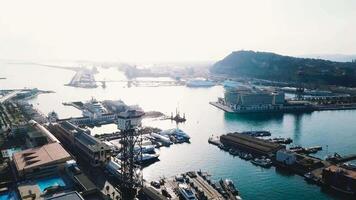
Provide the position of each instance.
(180, 30)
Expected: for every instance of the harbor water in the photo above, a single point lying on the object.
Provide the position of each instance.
(335, 131)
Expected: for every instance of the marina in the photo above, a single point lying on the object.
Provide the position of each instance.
(194, 185)
(306, 129)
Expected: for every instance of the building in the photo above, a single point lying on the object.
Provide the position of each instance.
(253, 98)
(286, 157)
(93, 150)
(38, 135)
(129, 119)
(249, 99)
(41, 161)
(250, 144)
(35, 139)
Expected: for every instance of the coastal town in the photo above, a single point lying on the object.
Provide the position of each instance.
(177, 100)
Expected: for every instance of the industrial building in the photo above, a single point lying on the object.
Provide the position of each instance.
(286, 157)
(41, 161)
(250, 144)
(252, 98)
(340, 179)
(92, 149)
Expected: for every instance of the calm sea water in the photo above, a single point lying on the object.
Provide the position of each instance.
(337, 129)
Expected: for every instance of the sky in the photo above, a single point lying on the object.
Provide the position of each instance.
(173, 30)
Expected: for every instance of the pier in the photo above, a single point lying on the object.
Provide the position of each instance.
(336, 158)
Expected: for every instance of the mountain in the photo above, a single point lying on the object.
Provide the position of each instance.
(271, 66)
(332, 57)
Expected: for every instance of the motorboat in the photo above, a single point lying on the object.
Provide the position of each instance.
(185, 192)
(263, 162)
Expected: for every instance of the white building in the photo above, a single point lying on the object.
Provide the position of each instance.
(287, 157)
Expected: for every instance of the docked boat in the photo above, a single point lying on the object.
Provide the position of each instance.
(263, 162)
(227, 184)
(93, 108)
(234, 152)
(223, 147)
(145, 148)
(52, 116)
(280, 140)
(147, 158)
(162, 139)
(310, 178)
(257, 133)
(314, 149)
(185, 192)
(245, 156)
(296, 149)
(177, 133)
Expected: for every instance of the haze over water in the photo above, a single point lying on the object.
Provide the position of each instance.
(333, 128)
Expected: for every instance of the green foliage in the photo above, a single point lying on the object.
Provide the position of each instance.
(271, 66)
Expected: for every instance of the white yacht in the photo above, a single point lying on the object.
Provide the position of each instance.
(186, 192)
(179, 134)
(163, 139)
(147, 158)
(263, 162)
(145, 148)
(94, 108)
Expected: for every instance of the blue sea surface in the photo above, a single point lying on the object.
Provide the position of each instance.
(335, 131)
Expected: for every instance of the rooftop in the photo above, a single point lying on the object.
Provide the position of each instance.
(256, 144)
(67, 196)
(345, 172)
(36, 157)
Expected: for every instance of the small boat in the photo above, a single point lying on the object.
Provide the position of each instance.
(263, 162)
(146, 158)
(245, 156)
(296, 149)
(179, 135)
(257, 133)
(223, 147)
(145, 148)
(310, 178)
(163, 139)
(281, 140)
(227, 184)
(234, 152)
(313, 149)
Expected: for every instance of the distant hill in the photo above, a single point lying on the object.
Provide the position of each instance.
(271, 66)
(332, 57)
